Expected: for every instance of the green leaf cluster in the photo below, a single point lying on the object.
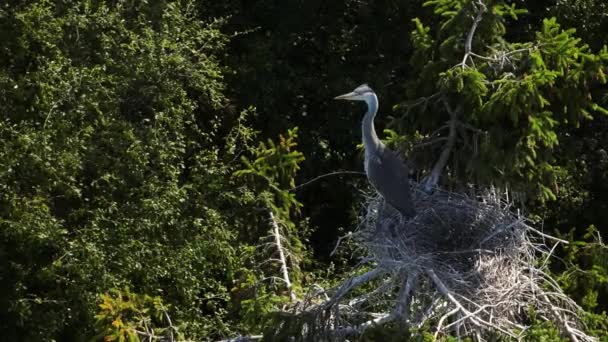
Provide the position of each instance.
(276, 165)
(127, 316)
(515, 96)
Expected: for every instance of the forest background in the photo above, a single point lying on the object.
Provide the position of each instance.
(147, 148)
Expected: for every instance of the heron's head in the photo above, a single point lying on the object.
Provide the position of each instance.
(361, 93)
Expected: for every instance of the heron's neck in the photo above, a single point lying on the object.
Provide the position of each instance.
(370, 138)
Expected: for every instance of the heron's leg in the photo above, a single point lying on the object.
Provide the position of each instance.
(386, 229)
(381, 220)
(387, 218)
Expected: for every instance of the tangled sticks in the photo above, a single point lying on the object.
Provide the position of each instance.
(464, 266)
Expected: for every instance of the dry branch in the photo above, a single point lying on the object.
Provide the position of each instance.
(433, 178)
(282, 260)
(468, 46)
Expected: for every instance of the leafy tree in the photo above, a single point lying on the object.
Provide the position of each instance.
(112, 172)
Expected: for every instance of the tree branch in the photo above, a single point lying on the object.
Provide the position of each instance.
(468, 46)
(277, 238)
(429, 142)
(404, 297)
(359, 329)
(327, 175)
(340, 238)
(471, 316)
(354, 282)
(433, 178)
(355, 302)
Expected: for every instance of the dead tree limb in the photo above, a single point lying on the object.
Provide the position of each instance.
(468, 46)
(282, 260)
(433, 178)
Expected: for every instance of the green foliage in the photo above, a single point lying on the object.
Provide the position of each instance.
(387, 333)
(111, 170)
(127, 316)
(515, 96)
(277, 164)
(258, 307)
(584, 276)
(587, 267)
(544, 331)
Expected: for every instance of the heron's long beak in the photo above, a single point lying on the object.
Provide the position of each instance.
(348, 96)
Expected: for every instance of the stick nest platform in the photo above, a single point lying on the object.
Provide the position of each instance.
(464, 266)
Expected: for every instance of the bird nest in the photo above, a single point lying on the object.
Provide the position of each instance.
(465, 266)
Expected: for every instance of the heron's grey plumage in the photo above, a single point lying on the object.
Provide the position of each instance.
(385, 170)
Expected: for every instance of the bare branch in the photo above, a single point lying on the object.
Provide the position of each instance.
(468, 46)
(277, 235)
(327, 175)
(403, 298)
(347, 236)
(422, 101)
(384, 288)
(429, 142)
(171, 327)
(433, 178)
(360, 329)
(548, 236)
(355, 282)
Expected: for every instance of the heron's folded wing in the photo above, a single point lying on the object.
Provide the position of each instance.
(389, 175)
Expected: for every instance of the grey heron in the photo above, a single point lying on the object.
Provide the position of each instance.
(385, 170)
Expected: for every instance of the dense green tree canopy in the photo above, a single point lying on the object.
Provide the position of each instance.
(112, 116)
